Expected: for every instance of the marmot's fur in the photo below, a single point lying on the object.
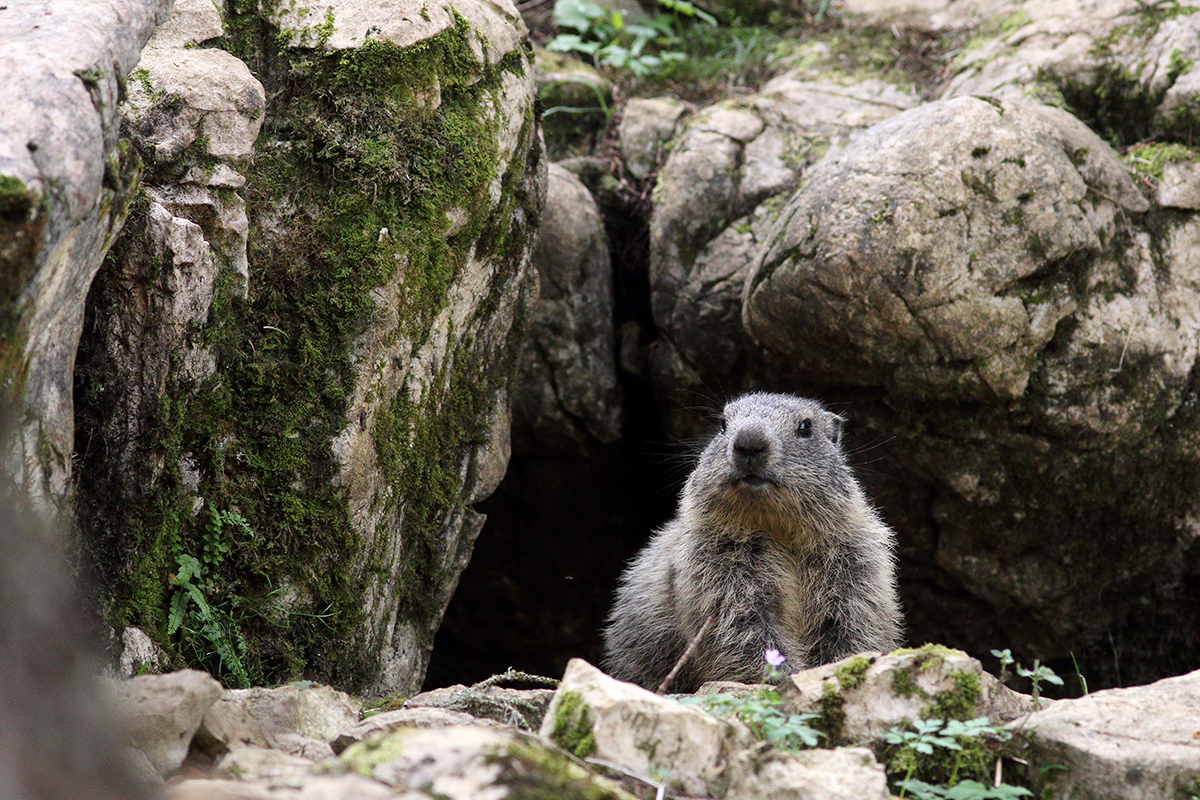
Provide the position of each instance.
(775, 540)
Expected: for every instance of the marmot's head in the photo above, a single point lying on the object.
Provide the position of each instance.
(774, 467)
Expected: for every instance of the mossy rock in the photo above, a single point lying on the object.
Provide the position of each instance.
(358, 401)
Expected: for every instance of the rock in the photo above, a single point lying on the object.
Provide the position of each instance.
(1180, 186)
(859, 698)
(210, 789)
(595, 716)
(358, 420)
(847, 773)
(713, 207)
(492, 30)
(319, 712)
(65, 186)
(994, 253)
(522, 708)
(389, 721)
(161, 713)
(227, 724)
(1131, 70)
(139, 654)
(274, 768)
(567, 397)
(647, 124)
(472, 762)
(1135, 743)
(935, 293)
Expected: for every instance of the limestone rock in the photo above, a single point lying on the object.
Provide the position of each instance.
(647, 124)
(388, 721)
(269, 766)
(493, 30)
(228, 724)
(471, 762)
(596, 716)
(332, 352)
(994, 253)
(1180, 186)
(713, 206)
(847, 773)
(161, 713)
(318, 712)
(523, 708)
(65, 186)
(568, 395)
(1132, 743)
(1132, 69)
(874, 692)
(1000, 195)
(139, 654)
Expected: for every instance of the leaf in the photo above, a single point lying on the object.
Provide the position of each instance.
(578, 15)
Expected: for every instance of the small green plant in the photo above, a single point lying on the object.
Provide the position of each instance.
(205, 627)
(603, 34)
(761, 711)
(925, 738)
(1039, 673)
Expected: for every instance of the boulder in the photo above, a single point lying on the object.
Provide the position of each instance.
(317, 713)
(66, 182)
(303, 350)
(567, 396)
(523, 708)
(647, 124)
(715, 199)
(470, 762)
(595, 716)
(385, 722)
(1132, 743)
(859, 698)
(161, 713)
(918, 275)
(1131, 71)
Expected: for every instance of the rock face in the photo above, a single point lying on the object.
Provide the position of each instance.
(995, 254)
(65, 186)
(568, 398)
(714, 201)
(296, 375)
(1134, 743)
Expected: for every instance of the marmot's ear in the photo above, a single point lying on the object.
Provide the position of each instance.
(837, 424)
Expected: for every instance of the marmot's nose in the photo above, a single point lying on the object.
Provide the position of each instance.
(750, 448)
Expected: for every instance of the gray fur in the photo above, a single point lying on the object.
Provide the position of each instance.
(775, 539)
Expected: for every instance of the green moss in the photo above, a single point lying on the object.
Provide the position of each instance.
(532, 772)
(958, 702)
(15, 199)
(850, 675)
(363, 757)
(573, 725)
(1149, 159)
(831, 719)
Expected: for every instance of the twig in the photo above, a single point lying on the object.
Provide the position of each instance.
(662, 687)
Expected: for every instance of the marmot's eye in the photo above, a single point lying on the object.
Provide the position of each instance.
(804, 430)
(722, 423)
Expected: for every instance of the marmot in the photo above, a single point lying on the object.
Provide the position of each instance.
(775, 540)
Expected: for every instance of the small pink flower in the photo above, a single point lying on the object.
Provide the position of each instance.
(774, 657)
